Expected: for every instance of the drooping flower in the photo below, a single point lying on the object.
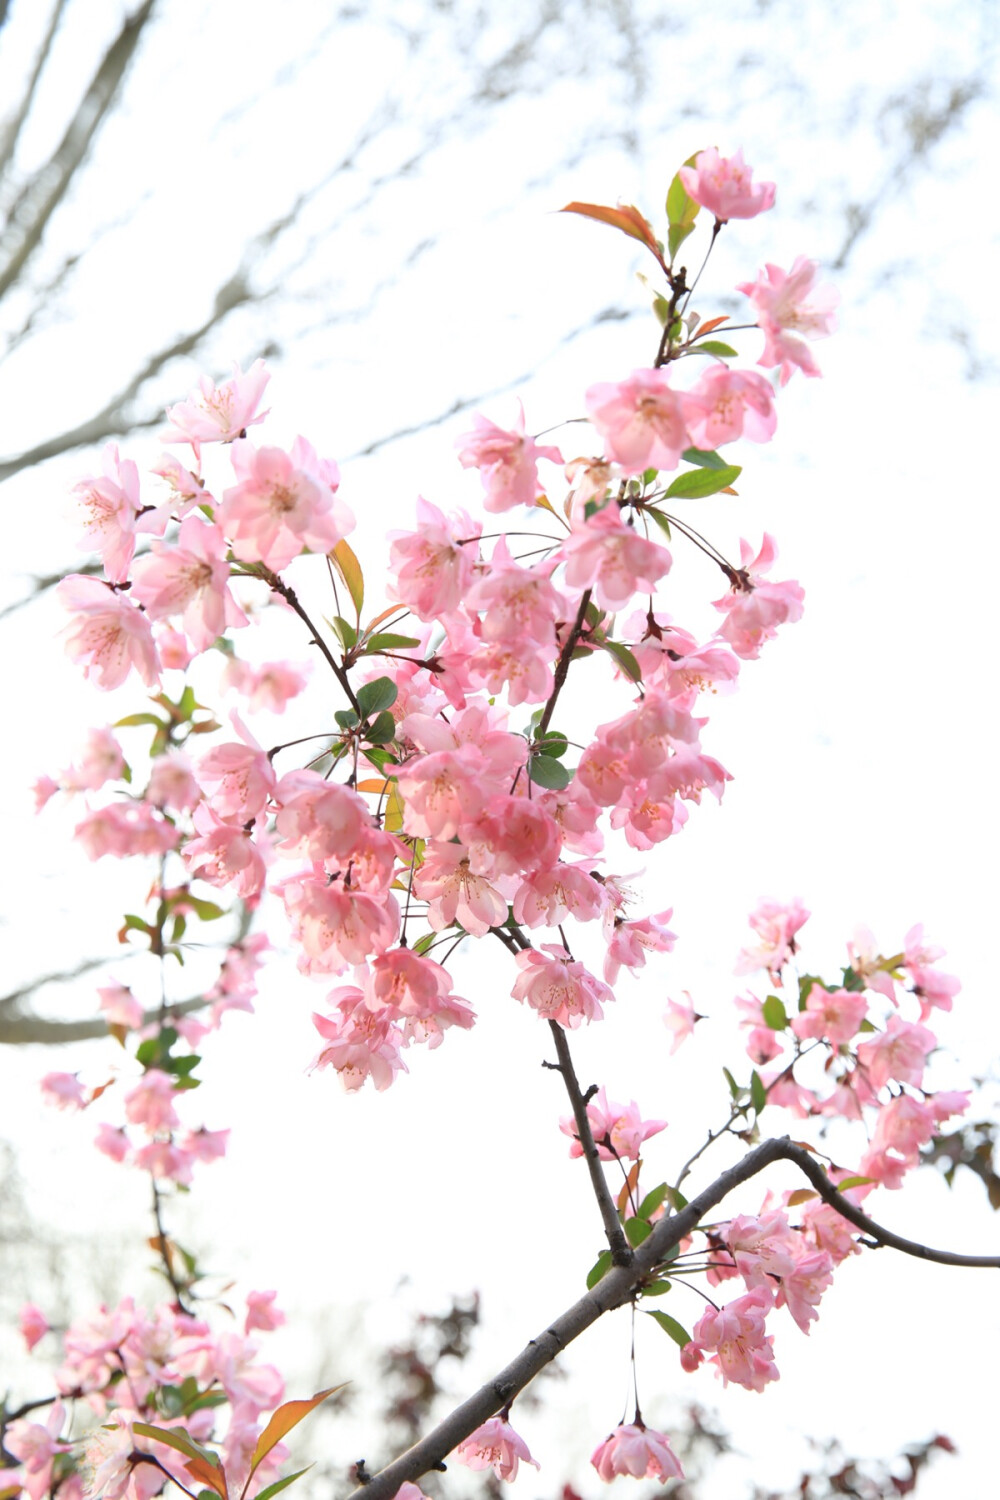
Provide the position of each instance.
(507, 461)
(107, 634)
(618, 1129)
(789, 311)
(637, 1450)
(641, 420)
(495, 1445)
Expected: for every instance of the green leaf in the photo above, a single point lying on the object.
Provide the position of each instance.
(549, 773)
(851, 1182)
(282, 1484)
(670, 1325)
(554, 744)
(592, 615)
(178, 1439)
(703, 458)
(774, 1013)
(205, 911)
(423, 945)
(599, 1269)
(677, 1199)
(624, 658)
(348, 634)
(658, 1288)
(660, 519)
(734, 1087)
(131, 721)
(637, 1230)
(758, 1093)
(376, 695)
(852, 981)
(383, 729)
(649, 477)
(347, 718)
(695, 484)
(349, 568)
(652, 1201)
(715, 346)
(806, 983)
(386, 641)
(676, 235)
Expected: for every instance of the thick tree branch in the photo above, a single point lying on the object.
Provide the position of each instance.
(621, 1251)
(15, 125)
(618, 1287)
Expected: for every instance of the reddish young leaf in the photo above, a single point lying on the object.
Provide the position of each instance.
(287, 1416)
(626, 218)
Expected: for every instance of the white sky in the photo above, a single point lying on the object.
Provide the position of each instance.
(861, 742)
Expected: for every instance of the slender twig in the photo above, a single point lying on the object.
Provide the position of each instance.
(279, 586)
(614, 1290)
(163, 1247)
(621, 1250)
(562, 665)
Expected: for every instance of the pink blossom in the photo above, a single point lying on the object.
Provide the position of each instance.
(284, 503)
(219, 414)
(358, 1043)
(515, 835)
(36, 1447)
(724, 185)
(680, 1019)
(123, 829)
(190, 579)
(175, 651)
(268, 687)
(801, 1288)
(151, 1102)
(898, 1053)
(106, 1466)
(517, 603)
(507, 461)
(559, 988)
(224, 854)
(238, 779)
(834, 1015)
(408, 985)
(318, 818)
(631, 941)
(641, 420)
(34, 1325)
(261, 1312)
(790, 310)
(172, 783)
(618, 1129)
(107, 634)
(755, 607)
(120, 1007)
(205, 1145)
(728, 404)
(112, 1141)
(433, 565)
(495, 1445)
(336, 925)
(101, 760)
(109, 507)
(550, 896)
(741, 1351)
(607, 556)
(455, 894)
(64, 1090)
(637, 1450)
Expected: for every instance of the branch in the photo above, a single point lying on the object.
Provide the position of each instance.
(618, 1287)
(38, 200)
(621, 1250)
(14, 126)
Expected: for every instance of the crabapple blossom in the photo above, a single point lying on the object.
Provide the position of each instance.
(283, 503)
(33, 1324)
(189, 579)
(776, 923)
(110, 506)
(898, 1053)
(224, 854)
(728, 404)
(219, 414)
(107, 634)
(755, 607)
(641, 419)
(602, 553)
(261, 1312)
(106, 1466)
(630, 942)
(789, 311)
(64, 1090)
(507, 461)
(237, 779)
(637, 1450)
(495, 1445)
(680, 1019)
(125, 828)
(454, 893)
(120, 1007)
(834, 1015)
(433, 566)
(618, 1124)
(558, 987)
(740, 1349)
(724, 185)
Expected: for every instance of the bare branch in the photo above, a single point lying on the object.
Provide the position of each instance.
(42, 194)
(615, 1289)
(14, 126)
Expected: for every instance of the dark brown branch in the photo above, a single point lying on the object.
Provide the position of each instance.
(618, 1287)
(621, 1251)
(562, 666)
